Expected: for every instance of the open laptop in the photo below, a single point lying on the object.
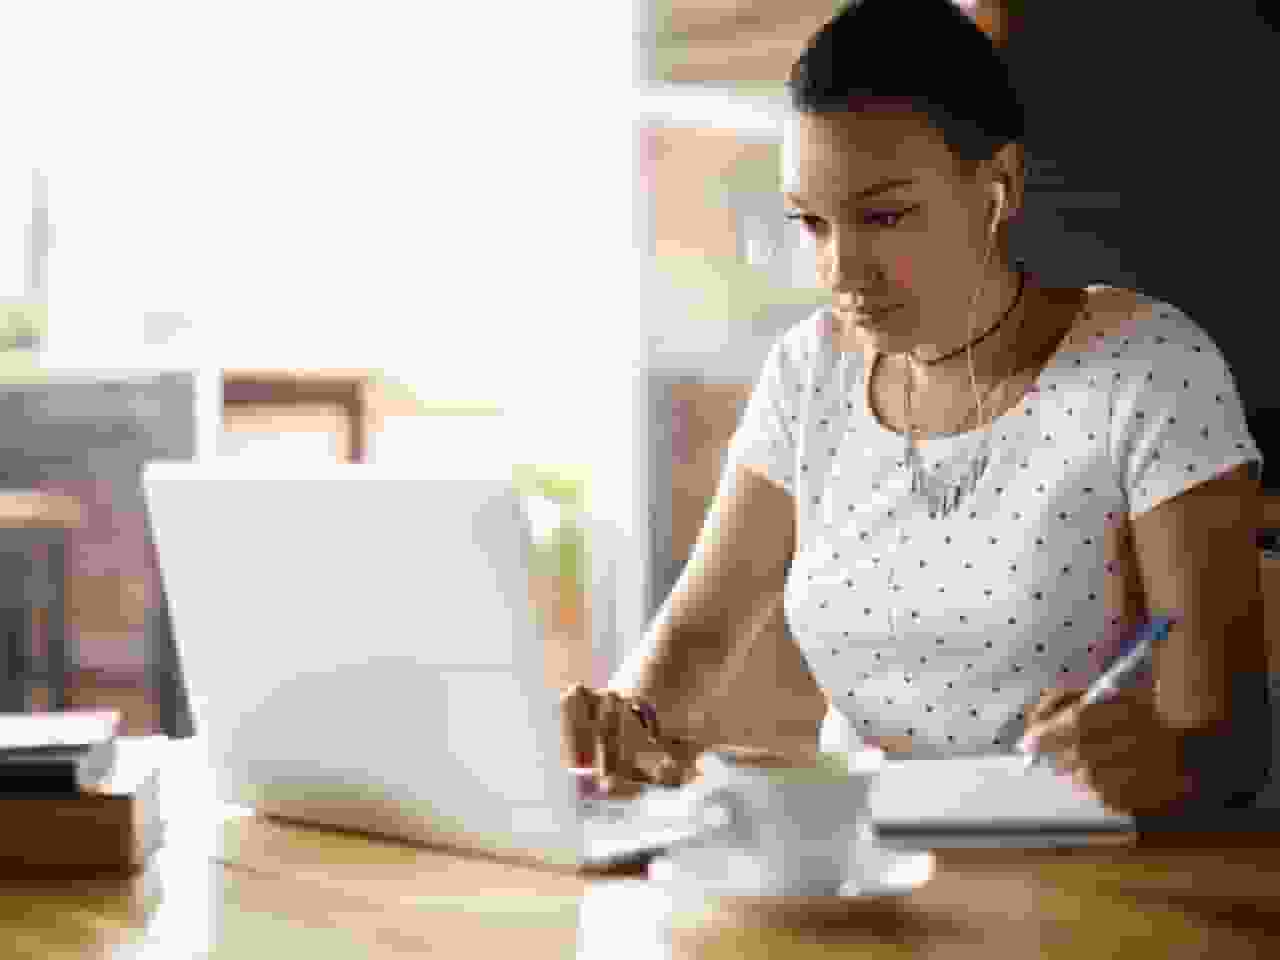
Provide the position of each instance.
(361, 651)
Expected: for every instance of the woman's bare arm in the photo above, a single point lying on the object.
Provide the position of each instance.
(739, 562)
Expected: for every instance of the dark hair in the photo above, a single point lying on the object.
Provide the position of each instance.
(928, 53)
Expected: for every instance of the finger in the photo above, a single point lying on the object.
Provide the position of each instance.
(1098, 730)
(1052, 713)
(683, 756)
(636, 735)
(1052, 702)
(579, 709)
(621, 788)
(680, 765)
(669, 773)
(1116, 752)
(755, 756)
(1041, 720)
(610, 735)
(1111, 786)
(655, 764)
(650, 720)
(685, 752)
(1099, 722)
(1095, 720)
(1074, 759)
(623, 734)
(1055, 734)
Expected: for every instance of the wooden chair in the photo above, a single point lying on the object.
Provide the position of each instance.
(28, 517)
(1270, 572)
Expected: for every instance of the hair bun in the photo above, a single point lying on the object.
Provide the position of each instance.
(929, 52)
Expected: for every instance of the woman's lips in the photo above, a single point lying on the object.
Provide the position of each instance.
(865, 311)
(870, 316)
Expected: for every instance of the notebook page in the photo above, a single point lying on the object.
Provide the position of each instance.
(986, 789)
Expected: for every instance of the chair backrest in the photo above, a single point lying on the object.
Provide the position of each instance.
(1270, 574)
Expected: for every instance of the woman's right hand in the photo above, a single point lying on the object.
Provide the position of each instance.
(601, 731)
(1051, 701)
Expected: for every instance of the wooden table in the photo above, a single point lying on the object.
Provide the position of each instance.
(237, 886)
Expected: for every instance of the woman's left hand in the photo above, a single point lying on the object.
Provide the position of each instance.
(1120, 750)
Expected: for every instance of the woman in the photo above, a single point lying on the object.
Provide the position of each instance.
(972, 487)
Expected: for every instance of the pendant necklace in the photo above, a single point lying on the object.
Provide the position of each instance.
(942, 492)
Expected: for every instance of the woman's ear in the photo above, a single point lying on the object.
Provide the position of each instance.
(1010, 169)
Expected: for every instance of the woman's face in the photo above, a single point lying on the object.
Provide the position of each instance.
(895, 224)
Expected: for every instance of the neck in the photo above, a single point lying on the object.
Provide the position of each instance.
(994, 358)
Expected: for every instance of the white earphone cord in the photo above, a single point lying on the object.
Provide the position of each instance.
(920, 482)
(995, 223)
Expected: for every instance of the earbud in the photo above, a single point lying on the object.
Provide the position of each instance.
(1000, 200)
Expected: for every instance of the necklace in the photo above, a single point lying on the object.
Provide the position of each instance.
(944, 493)
(994, 327)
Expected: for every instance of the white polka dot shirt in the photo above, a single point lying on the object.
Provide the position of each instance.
(945, 628)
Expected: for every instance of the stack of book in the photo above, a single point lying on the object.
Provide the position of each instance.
(74, 793)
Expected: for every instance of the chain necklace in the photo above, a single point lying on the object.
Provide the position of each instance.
(940, 495)
(943, 494)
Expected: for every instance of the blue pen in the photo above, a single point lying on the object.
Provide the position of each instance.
(1135, 655)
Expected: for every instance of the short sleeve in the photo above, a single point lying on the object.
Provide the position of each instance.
(766, 438)
(1177, 418)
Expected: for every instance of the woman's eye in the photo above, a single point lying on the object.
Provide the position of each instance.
(804, 218)
(898, 214)
(878, 219)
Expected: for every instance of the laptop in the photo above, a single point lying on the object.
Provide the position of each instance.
(361, 652)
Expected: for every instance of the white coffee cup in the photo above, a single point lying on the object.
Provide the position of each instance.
(803, 827)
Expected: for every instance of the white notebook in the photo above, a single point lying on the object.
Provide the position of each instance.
(985, 793)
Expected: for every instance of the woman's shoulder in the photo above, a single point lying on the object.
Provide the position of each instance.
(1114, 311)
(1135, 337)
(1129, 317)
(809, 343)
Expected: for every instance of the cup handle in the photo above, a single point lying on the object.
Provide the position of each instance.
(725, 813)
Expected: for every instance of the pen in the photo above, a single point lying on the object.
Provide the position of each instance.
(1136, 655)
